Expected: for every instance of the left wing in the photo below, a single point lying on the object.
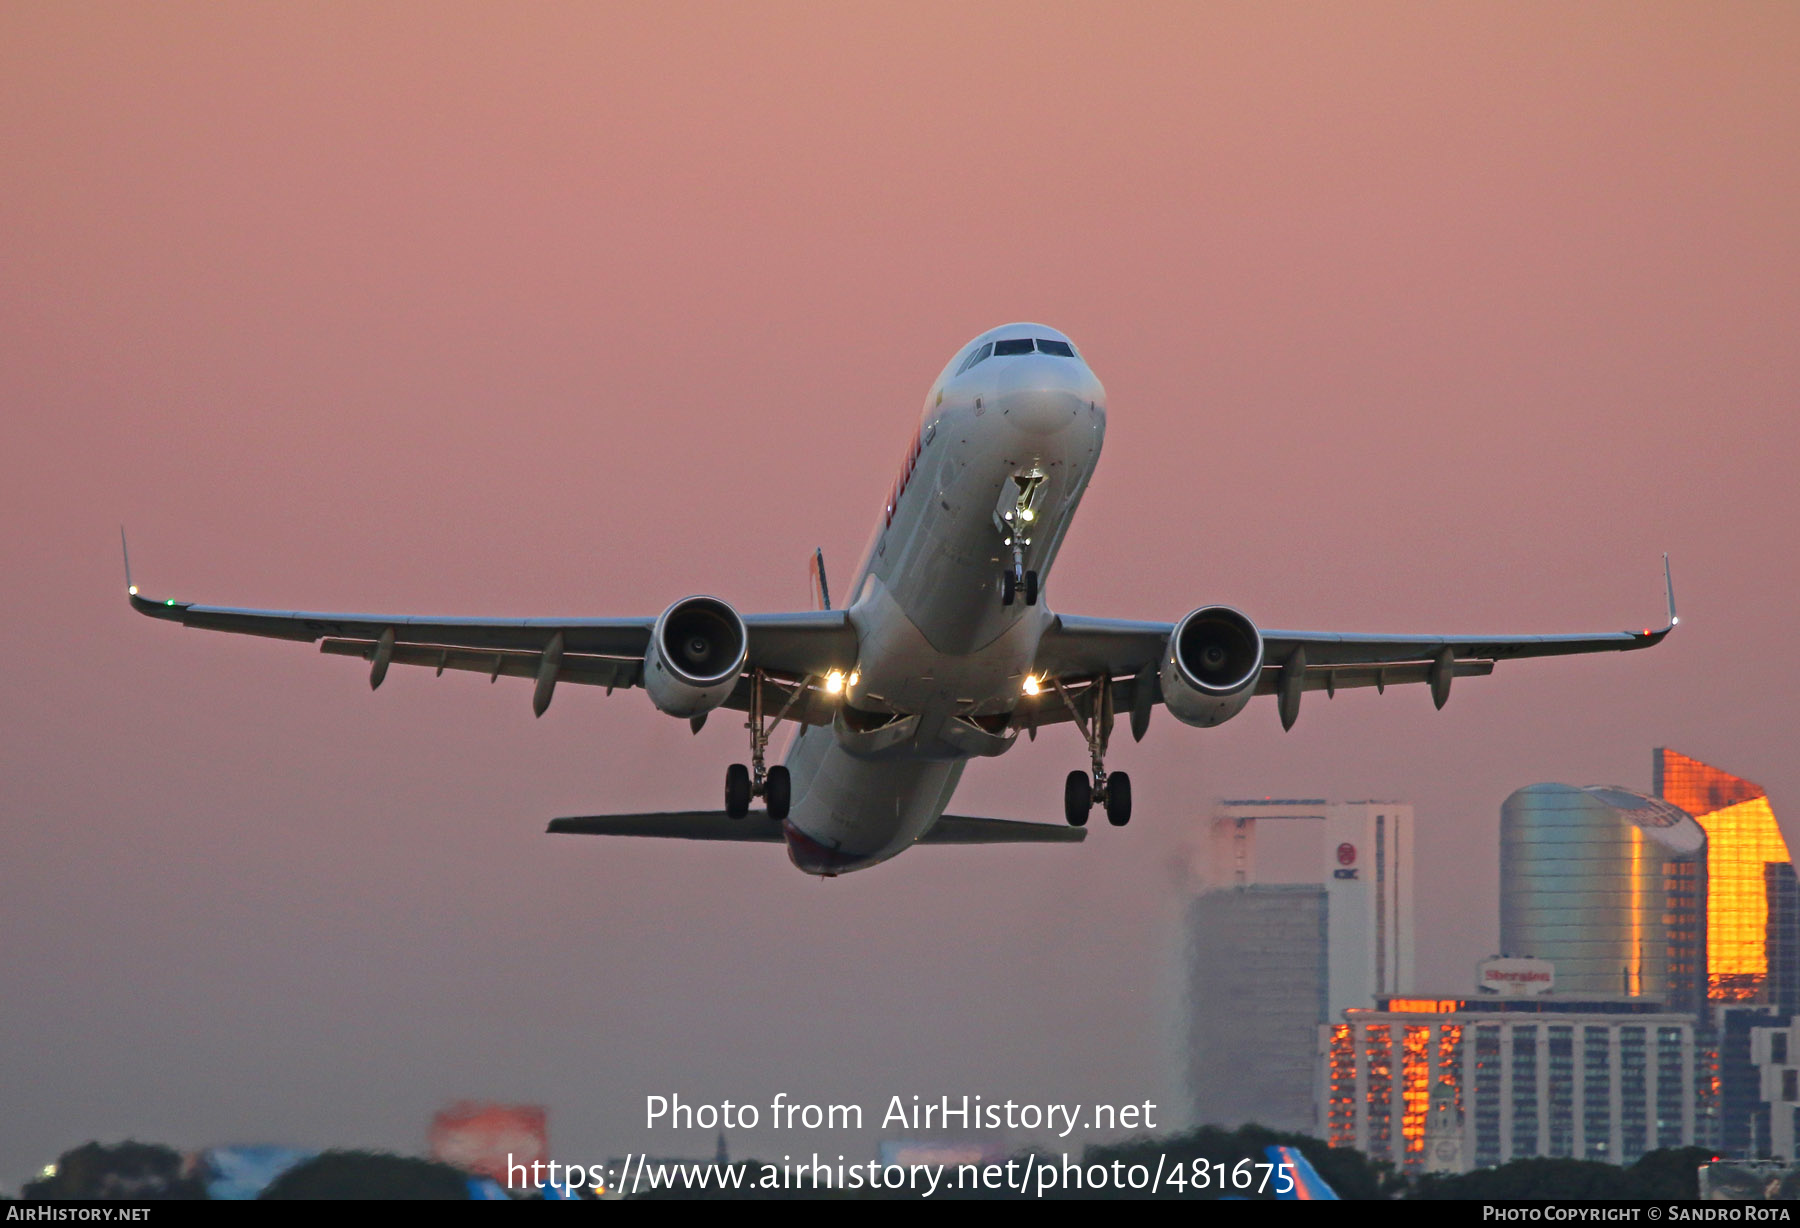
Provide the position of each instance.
(790, 650)
(1127, 655)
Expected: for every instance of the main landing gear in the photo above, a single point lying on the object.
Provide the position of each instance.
(772, 784)
(1082, 791)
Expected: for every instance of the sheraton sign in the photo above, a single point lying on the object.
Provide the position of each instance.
(1515, 977)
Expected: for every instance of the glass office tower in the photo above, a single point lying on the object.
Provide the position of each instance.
(1603, 882)
(1753, 900)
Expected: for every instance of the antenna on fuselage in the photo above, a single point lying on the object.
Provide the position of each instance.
(821, 591)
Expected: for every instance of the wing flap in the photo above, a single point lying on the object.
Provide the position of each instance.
(813, 707)
(1346, 677)
(576, 667)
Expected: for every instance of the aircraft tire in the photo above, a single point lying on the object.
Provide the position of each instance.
(737, 790)
(1031, 588)
(1009, 587)
(778, 792)
(1078, 798)
(1118, 799)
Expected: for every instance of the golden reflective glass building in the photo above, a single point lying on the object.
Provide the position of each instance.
(1751, 891)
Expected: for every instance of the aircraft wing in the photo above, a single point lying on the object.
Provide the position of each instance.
(790, 649)
(1128, 655)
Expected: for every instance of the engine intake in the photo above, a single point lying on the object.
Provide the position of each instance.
(696, 653)
(1214, 661)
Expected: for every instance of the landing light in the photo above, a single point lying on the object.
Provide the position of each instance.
(834, 681)
(132, 590)
(855, 676)
(1028, 515)
(1031, 684)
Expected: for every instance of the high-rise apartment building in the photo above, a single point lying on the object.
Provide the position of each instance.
(1460, 1083)
(1275, 949)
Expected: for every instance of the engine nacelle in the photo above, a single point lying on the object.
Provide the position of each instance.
(696, 652)
(1210, 671)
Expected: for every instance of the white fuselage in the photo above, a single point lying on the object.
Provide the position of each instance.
(943, 660)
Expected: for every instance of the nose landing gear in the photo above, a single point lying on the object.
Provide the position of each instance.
(1082, 791)
(1014, 518)
(1016, 578)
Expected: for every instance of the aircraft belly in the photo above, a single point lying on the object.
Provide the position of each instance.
(849, 813)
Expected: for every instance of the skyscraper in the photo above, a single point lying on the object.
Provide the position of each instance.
(1254, 997)
(1593, 880)
(1752, 939)
(1753, 900)
(1274, 950)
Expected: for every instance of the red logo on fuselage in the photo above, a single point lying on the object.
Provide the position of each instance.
(907, 469)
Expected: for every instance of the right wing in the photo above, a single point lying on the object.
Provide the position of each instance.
(789, 649)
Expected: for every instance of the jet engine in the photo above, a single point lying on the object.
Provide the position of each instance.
(1211, 668)
(696, 652)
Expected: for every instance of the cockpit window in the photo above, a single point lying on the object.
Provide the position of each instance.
(985, 351)
(1017, 345)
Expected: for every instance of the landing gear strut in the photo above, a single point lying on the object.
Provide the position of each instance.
(772, 784)
(1014, 518)
(1082, 791)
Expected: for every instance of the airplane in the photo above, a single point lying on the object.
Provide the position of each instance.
(945, 652)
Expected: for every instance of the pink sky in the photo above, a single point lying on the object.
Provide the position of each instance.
(1433, 317)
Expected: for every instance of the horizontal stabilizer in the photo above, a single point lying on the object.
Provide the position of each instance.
(674, 825)
(756, 827)
(964, 829)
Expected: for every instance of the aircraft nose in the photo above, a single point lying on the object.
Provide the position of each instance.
(1039, 394)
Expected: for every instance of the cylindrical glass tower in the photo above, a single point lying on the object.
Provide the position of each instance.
(1583, 884)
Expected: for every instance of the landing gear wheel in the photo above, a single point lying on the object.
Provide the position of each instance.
(1031, 588)
(1009, 587)
(737, 790)
(1078, 798)
(1118, 799)
(778, 791)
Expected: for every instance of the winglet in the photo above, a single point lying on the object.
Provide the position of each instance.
(139, 602)
(1669, 588)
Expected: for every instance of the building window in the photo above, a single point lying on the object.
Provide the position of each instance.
(1670, 1088)
(1380, 1090)
(1524, 1092)
(1340, 1112)
(1633, 1117)
(1487, 1095)
(1415, 1089)
(1596, 1092)
(1561, 1048)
